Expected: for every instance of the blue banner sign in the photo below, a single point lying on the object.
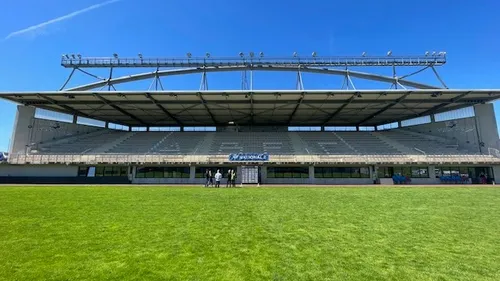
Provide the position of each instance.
(249, 157)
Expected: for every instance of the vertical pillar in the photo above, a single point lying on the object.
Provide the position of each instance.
(311, 174)
(263, 174)
(106, 125)
(373, 172)
(21, 133)
(134, 171)
(433, 118)
(239, 175)
(432, 172)
(75, 119)
(399, 124)
(192, 174)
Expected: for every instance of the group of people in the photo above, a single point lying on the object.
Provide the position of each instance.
(213, 180)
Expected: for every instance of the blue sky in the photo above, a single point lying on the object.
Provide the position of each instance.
(467, 30)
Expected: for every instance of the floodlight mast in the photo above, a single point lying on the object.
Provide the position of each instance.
(436, 59)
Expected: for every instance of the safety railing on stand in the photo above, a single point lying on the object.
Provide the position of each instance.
(94, 159)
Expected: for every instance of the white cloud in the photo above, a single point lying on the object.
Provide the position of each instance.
(36, 30)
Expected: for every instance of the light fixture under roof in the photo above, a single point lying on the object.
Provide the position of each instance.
(231, 122)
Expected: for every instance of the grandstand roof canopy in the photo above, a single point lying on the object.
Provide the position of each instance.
(269, 107)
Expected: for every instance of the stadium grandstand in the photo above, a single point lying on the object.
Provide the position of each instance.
(405, 132)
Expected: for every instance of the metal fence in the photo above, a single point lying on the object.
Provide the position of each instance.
(493, 158)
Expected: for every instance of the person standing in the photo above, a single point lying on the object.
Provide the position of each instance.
(228, 182)
(207, 177)
(218, 177)
(233, 178)
(211, 178)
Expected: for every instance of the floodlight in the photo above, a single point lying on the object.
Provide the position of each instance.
(261, 54)
(115, 55)
(363, 54)
(442, 53)
(434, 53)
(67, 56)
(73, 56)
(139, 55)
(389, 53)
(207, 55)
(295, 54)
(79, 56)
(427, 53)
(189, 55)
(314, 54)
(241, 54)
(252, 54)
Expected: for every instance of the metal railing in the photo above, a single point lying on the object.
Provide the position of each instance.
(83, 62)
(221, 159)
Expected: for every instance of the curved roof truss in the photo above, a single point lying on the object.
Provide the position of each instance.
(204, 70)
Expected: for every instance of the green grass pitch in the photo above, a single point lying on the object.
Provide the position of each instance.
(157, 233)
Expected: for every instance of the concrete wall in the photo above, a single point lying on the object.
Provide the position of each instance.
(487, 125)
(38, 171)
(468, 133)
(461, 131)
(29, 130)
(21, 131)
(48, 130)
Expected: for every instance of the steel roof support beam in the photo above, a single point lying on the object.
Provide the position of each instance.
(155, 102)
(397, 101)
(119, 109)
(204, 102)
(242, 102)
(142, 76)
(331, 116)
(296, 108)
(65, 107)
(439, 106)
(251, 109)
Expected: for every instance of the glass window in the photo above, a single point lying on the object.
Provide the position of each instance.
(123, 171)
(419, 172)
(288, 172)
(82, 171)
(99, 171)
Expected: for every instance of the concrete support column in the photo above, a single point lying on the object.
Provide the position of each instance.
(433, 118)
(311, 174)
(432, 172)
(134, 171)
(373, 171)
(192, 173)
(75, 119)
(239, 175)
(263, 174)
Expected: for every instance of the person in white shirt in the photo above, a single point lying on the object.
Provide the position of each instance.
(218, 177)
